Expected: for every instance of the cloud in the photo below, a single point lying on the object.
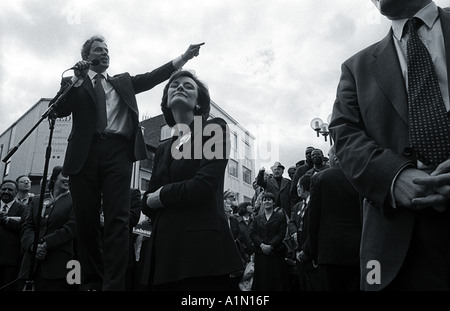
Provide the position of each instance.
(266, 62)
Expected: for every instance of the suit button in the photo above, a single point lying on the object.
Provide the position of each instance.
(407, 151)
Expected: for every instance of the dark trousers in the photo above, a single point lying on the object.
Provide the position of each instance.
(103, 183)
(308, 276)
(427, 263)
(8, 274)
(339, 277)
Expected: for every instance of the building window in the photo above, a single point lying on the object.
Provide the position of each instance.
(233, 168)
(234, 145)
(166, 132)
(247, 175)
(247, 138)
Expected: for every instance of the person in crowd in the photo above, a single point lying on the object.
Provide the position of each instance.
(298, 229)
(245, 212)
(390, 126)
(256, 199)
(56, 232)
(24, 196)
(319, 163)
(277, 185)
(135, 215)
(291, 171)
(334, 228)
(299, 172)
(267, 232)
(105, 141)
(230, 200)
(12, 215)
(230, 209)
(191, 245)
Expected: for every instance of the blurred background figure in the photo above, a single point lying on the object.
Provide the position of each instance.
(57, 231)
(12, 215)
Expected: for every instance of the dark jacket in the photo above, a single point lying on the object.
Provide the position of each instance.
(80, 102)
(191, 236)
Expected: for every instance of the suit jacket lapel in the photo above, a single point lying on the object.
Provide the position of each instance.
(386, 67)
(284, 183)
(116, 82)
(87, 85)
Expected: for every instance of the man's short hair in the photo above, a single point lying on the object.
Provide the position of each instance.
(85, 50)
(9, 181)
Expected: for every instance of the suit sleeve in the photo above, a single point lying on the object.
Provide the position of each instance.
(368, 165)
(147, 81)
(278, 238)
(135, 207)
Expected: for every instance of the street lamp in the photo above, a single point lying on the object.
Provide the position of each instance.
(321, 128)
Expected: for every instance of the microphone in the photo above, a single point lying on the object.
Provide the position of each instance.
(93, 62)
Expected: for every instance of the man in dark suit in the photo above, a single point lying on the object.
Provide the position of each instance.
(12, 215)
(299, 172)
(104, 142)
(334, 228)
(278, 186)
(405, 236)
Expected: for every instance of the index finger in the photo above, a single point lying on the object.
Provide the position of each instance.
(199, 44)
(434, 181)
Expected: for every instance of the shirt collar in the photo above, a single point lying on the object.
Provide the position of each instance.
(428, 14)
(8, 205)
(92, 74)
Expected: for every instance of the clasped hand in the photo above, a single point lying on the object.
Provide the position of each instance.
(266, 248)
(416, 189)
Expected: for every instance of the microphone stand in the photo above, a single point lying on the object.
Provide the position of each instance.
(29, 283)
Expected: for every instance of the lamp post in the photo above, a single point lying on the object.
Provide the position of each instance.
(321, 127)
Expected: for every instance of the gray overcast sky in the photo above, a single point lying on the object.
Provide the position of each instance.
(272, 65)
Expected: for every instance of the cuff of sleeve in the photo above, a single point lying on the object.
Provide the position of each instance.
(179, 62)
(391, 199)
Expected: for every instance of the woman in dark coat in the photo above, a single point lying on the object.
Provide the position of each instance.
(267, 232)
(191, 246)
(57, 231)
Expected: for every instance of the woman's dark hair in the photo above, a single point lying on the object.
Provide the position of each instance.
(268, 195)
(204, 100)
(305, 182)
(242, 208)
(56, 171)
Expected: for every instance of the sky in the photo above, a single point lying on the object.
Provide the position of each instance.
(272, 65)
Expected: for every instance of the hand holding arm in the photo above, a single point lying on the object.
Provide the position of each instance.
(153, 200)
(405, 190)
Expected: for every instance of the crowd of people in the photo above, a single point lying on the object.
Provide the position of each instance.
(312, 244)
(373, 215)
